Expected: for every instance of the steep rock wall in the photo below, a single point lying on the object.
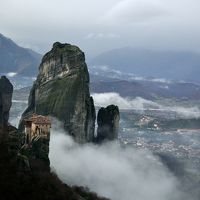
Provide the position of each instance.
(62, 90)
(6, 91)
(108, 123)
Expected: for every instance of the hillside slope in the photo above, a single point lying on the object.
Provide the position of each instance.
(160, 64)
(14, 58)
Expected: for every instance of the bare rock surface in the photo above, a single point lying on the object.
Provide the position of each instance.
(62, 91)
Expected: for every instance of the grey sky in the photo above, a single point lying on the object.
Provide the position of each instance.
(99, 25)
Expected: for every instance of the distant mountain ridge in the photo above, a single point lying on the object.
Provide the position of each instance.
(14, 58)
(148, 90)
(159, 64)
(104, 79)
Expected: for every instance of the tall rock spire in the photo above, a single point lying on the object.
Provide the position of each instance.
(62, 90)
(108, 123)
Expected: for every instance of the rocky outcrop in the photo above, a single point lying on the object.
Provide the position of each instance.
(37, 153)
(10, 138)
(6, 91)
(62, 90)
(108, 123)
(25, 171)
(28, 157)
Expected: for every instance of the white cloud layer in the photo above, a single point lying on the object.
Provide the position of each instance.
(112, 73)
(111, 171)
(105, 99)
(11, 74)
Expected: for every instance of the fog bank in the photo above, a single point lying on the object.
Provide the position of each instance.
(110, 170)
(138, 103)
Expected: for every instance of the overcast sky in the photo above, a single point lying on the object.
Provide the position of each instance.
(100, 25)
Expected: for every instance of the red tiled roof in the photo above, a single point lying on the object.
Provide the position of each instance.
(39, 119)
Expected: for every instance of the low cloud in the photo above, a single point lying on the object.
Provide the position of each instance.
(185, 112)
(104, 99)
(138, 103)
(156, 80)
(110, 170)
(11, 74)
(108, 71)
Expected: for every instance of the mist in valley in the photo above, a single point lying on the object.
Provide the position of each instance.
(138, 103)
(111, 170)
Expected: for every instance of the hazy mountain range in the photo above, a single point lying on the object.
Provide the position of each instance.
(159, 64)
(141, 62)
(109, 81)
(148, 90)
(117, 70)
(15, 59)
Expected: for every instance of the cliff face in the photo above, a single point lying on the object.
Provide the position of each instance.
(24, 169)
(6, 91)
(108, 123)
(62, 90)
(33, 157)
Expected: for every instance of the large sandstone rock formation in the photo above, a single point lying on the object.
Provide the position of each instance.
(62, 90)
(6, 91)
(108, 123)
